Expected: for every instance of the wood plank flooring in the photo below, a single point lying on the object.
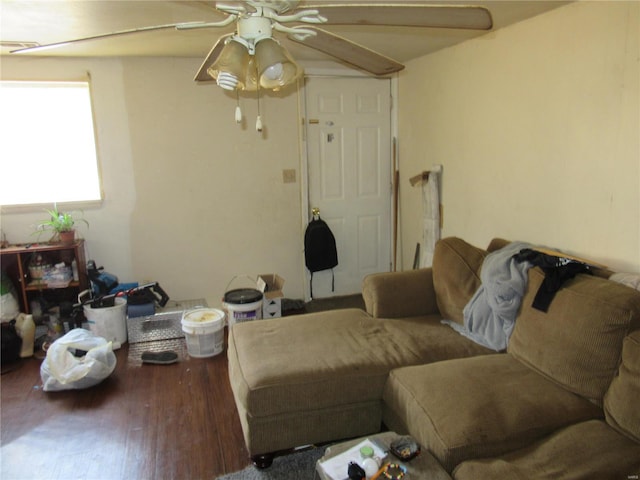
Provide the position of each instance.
(174, 421)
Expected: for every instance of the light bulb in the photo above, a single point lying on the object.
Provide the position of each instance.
(227, 80)
(274, 72)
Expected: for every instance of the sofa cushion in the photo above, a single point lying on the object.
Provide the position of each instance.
(296, 363)
(479, 407)
(407, 293)
(621, 402)
(577, 342)
(587, 450)
(496, 244)
(456, 275)
(426, 338)
(321, 360)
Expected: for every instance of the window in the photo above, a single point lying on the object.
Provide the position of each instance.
(47, 143)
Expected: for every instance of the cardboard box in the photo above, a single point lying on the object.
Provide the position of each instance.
(270, 284)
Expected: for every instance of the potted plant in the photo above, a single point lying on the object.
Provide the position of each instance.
(61, 224)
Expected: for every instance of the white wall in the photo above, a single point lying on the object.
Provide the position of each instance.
(191, 198)
(537, 127)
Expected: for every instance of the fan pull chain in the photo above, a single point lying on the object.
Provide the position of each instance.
(259, 119)
(238, 110)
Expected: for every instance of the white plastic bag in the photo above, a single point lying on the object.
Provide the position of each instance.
(9, 308)
(62, 370)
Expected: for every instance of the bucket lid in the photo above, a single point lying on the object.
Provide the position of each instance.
(118, 303)
(242, 295)
(202, 317)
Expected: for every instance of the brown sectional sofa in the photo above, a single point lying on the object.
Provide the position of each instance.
(558, 395)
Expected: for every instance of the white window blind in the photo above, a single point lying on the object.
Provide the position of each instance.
(47, 143)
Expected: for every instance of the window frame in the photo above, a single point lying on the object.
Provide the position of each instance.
(73, 204)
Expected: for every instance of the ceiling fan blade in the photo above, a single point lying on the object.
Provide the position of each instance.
(49, 46)
(349, 52)
(212, 56)
(406, 15)
(233, 7)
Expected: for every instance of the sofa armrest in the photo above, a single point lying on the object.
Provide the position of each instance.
(400, 294)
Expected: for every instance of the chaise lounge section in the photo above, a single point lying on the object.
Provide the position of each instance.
(319, 377)
(328, 376)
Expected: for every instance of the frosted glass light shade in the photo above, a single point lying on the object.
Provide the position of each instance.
(230, 69)
(276, 68)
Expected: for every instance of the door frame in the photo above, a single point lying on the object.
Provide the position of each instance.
(304, 157)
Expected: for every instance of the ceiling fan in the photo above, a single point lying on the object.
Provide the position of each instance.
(252, 58)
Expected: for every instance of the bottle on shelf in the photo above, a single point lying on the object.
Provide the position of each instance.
(26, 329)
(74, 269)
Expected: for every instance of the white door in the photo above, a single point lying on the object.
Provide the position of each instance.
(348, 130)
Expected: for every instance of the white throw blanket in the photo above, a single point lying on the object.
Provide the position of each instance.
(490, 315)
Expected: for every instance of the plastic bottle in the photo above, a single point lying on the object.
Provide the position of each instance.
(74, 269)
(370, 464)
(370, 467)
(26, 328)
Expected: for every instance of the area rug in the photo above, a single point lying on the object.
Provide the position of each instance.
(295, 466)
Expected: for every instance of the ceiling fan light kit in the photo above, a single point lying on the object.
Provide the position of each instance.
(252, 58)
(248, 66)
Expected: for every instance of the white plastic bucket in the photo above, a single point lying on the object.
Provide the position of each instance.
(109, 322)
(243, 304)
(204, 331)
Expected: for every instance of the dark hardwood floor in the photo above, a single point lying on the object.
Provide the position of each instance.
(144, 422)
(174, 421)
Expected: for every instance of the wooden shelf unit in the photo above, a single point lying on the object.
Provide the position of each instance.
(14, 260)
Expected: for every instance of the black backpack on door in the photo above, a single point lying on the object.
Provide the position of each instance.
(320, 252)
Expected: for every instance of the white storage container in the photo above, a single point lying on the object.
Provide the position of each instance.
(204, 331)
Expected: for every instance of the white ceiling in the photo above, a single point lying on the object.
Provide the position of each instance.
(49, 21)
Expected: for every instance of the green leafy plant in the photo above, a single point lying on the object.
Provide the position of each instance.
(59, 222)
